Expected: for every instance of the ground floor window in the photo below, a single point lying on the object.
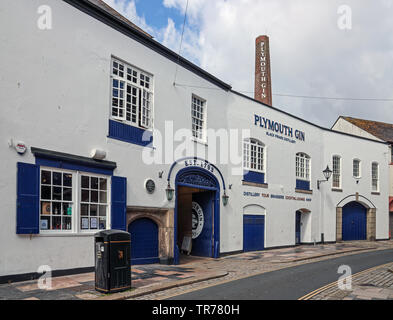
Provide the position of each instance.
(71, 201)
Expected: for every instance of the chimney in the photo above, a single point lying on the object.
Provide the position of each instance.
(263, 84)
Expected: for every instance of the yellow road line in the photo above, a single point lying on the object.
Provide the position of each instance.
(330, 285)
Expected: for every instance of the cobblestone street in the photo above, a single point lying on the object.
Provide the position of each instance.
(161, 281)
(375, 284)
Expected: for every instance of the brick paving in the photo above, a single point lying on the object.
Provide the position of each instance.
(160, 281)
(375, 284)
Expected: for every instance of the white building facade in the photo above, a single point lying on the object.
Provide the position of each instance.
(92, 82)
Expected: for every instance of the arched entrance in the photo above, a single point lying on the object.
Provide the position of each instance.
(197, 212)
(144, 241)
(355, 219)
(302, 218)
(354, 222)
(253, 228)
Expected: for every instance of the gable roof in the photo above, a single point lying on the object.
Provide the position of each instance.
(104, 6)
(381, 130)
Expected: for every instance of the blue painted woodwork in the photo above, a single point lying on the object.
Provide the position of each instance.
(119, 203)
(130, 134)
(203, 245)
(253, 233)
(298, 227)
(354, 222)
(254, 177)
(144, 241)
(302, 185)
(28, 201)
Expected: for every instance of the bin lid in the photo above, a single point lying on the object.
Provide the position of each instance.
(113, 235)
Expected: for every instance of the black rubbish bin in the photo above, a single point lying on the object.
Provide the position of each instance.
(112, 261)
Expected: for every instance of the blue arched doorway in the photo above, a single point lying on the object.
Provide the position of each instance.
(354, 222)
(144, 241)
(197, 212)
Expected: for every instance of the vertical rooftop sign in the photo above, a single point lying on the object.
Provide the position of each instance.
(263, 84)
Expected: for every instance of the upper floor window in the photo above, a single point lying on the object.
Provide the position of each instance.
(356, 168)
(375, 177)
(131, 95)
(253, 155)
(336, 172)
(303, 165)
(198, 116)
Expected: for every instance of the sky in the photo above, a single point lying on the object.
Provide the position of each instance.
(318, 48)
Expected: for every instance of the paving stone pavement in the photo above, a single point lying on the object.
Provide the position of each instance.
(151, 281)
(375, 284)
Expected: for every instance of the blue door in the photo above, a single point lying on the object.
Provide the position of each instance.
(144, 241)
(298, 226)
(253, 233)
(354, 226)
(202, 245)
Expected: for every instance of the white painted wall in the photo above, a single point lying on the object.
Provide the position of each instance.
(55, 92)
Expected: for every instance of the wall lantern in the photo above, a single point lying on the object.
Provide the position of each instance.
(327, 173)
(169, 192)
(225, 198)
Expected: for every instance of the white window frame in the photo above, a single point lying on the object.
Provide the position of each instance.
(303, 166)
(76, 227)
(80, 202)
(140, 113)
(374, 178)
(73, 201)
(203, 138)
(359, 168)
(339, 173)
(259, 164)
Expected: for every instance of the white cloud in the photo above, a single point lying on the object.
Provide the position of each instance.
(310, 54)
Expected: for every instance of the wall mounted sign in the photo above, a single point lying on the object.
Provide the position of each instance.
(279, 130)
(150, 186)
(199, 163)
(20, 147)
(198, 220)
(274, 196)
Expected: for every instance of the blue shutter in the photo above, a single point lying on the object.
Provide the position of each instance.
(27, 209)
(119, 203)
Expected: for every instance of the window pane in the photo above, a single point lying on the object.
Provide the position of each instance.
(57, 178)
(102, 184)
(67, 179)
(56, 208)
(94, 183)
(56, 193)
(102, 223)
(85, 196)
(94, 196)
(102, 197)
(93, 210)
(45, 223)
(46, 177)
(67, 209)
(66, 223)
(102, 212)
(85, 182)
(84, 209)
(56, 223)
(46, 192)
(67, 194)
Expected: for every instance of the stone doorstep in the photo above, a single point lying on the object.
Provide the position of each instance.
(160, 287)
(324, 255)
